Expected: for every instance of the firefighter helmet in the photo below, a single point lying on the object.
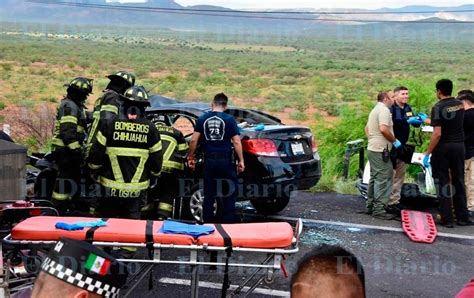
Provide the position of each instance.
(124, 75)
(137, 94)
(82, 84)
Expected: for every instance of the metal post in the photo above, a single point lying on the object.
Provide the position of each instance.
(361, 162)
(4, 292)
(353, 147)
(195, 275)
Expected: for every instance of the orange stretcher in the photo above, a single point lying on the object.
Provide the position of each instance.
(274, 240)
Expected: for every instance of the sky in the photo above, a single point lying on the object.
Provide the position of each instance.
(370, 4)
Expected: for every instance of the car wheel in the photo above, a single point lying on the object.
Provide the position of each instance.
(270, 206)
(362, 187)
(192, 204)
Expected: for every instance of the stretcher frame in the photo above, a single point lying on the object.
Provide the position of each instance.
(274, 260)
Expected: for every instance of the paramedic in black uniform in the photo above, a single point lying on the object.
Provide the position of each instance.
(219, 137)
(447, 159)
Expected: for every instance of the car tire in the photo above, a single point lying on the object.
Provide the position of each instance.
(192, 204)
(269, 206)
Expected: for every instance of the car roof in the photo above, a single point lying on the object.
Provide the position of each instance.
(162, 103)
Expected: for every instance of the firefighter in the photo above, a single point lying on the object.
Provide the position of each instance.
(109, 103)
(69, 135)
(174, 152)
(219, 137)
(126, 152)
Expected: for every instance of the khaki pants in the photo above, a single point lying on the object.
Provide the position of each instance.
(380, 183)
(469, 181)
(398, 179)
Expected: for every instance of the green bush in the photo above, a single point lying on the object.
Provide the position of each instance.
(332, 138)
(172, 79)
(6, 66)
(298, 116)
(2, 105)
(193, 75)
(216, 78)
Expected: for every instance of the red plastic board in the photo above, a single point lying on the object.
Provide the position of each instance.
(419, 226)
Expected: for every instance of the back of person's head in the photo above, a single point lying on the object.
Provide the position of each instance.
(76, 268)
(381, 96)
(120, 81)
(135, 101)
(445, 86)
(400, 88)
(220, 99)
(47, 284)
(79, 89)
(466, 95)
(328, 271)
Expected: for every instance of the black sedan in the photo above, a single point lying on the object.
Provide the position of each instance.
(279, 158)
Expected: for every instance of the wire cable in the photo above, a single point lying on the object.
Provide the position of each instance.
(209, 12)
(256, 11)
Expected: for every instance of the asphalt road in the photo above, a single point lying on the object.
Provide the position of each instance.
(394, 266)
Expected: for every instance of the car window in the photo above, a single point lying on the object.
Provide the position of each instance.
(158, 117)
(251, 117)
(184, 124)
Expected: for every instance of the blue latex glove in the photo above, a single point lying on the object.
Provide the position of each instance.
(426, 161)
(422, 116)
(260, 127)
(79, 225)
(68, 227)
(174, 227)
(415, 121)
(87, 224)
(397, 144)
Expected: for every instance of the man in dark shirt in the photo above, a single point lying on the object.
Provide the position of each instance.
(467, 98)
(219, 137)
(447, 149)
(401, 111)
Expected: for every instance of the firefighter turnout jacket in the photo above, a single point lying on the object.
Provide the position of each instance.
(69, 130)
(174, 148)
(125, 153)
(107, 106)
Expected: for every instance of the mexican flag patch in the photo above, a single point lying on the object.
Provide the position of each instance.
(97, 264)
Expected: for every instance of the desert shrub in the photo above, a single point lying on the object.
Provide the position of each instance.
(193, 75)
(217, 78)
(6, 66)
(298, 116)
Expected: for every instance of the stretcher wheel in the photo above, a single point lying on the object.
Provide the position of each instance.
(33, 264)
(270, 277)
(15, 257)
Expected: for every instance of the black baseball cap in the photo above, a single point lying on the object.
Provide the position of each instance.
(85, 266)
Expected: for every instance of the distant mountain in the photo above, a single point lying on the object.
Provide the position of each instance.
(159, 3)
(421, 8)
(441, 20)
(208, 7)
(285, 24)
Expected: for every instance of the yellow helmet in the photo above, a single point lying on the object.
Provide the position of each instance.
(82, 84)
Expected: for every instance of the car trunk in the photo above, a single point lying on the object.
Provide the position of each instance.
(293, 143)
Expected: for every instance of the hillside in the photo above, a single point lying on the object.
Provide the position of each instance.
(92, 12)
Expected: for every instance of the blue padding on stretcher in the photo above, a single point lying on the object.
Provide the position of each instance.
(173, 227)
(79, 225)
